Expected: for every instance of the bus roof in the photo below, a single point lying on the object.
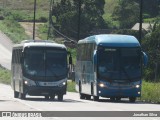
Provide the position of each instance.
(39, 43)
(112, 40)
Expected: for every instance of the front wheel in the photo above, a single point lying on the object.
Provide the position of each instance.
(112, 99)
(82, 96)
(132, 99)
(16, 94)
(95, 98)
(52, 97)
(22, 96)
(60, 97)
(46, 97)
(88, 97)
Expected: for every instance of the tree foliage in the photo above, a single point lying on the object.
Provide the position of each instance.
(151, 45)
(66, 14)
(127, 13)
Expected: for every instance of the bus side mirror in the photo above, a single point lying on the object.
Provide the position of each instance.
(145, 59)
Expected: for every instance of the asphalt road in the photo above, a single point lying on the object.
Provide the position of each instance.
(71, 103)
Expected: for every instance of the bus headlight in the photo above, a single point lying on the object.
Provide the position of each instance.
(101, 85)
(64, 83)
(137, 86)
(25, 82)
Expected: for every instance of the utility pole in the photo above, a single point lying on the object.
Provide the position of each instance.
(34, 20)
(140, 21)
(79, 19)
(50, 15)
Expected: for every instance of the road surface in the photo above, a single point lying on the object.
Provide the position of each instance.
(71, 103)
(5, 51)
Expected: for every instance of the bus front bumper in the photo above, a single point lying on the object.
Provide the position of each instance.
(119, 92)
(43, 91)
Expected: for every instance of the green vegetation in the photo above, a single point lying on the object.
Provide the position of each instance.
(71, 86)
(13, 30)
(43, 31)
(5, 76)
(151, 92)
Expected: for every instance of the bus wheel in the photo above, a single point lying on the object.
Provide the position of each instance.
(118, 98)
(132, 99)
(47, 97)
(82, 96)
(95, 98)
(60, 97)
(52, 97)
(22, 96)
(112, 99)
(16, 94)
(88, 97)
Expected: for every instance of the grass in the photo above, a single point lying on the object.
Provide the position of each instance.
(150, 92)
(5, 76)
(13, 30)
(71, 86)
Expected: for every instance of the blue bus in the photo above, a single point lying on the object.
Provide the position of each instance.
(109, 66)
(39, 68)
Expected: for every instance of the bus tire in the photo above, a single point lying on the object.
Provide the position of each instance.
(112, 99)
(16, 94)
(52, 97)
(22, 96)
(132, 99)
(82, 96)
(60, 97)
(118, 98)
(95, 98)
(88, 97)
(46, 97)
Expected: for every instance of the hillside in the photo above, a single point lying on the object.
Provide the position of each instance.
(23, 9)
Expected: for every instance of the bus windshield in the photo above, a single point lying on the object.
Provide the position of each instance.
(119, 64)
(45, 62)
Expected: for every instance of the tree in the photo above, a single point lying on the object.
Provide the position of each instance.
(151, 45)
(150, 7)
(66, 14)
(127, 13)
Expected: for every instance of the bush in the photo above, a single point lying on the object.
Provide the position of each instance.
(150, 92)
(5, 76)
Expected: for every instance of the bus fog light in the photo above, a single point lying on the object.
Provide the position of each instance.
(137, 86)
(139, 93)
(101, 85)
(26, 82)
(99, 91)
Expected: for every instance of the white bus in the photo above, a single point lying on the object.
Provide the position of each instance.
(39, 68)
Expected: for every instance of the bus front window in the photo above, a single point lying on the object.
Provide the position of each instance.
(34, 62)
(46, 63)
(56, 63)
(119, 63)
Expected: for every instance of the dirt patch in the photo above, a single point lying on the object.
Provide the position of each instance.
(28, 26)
